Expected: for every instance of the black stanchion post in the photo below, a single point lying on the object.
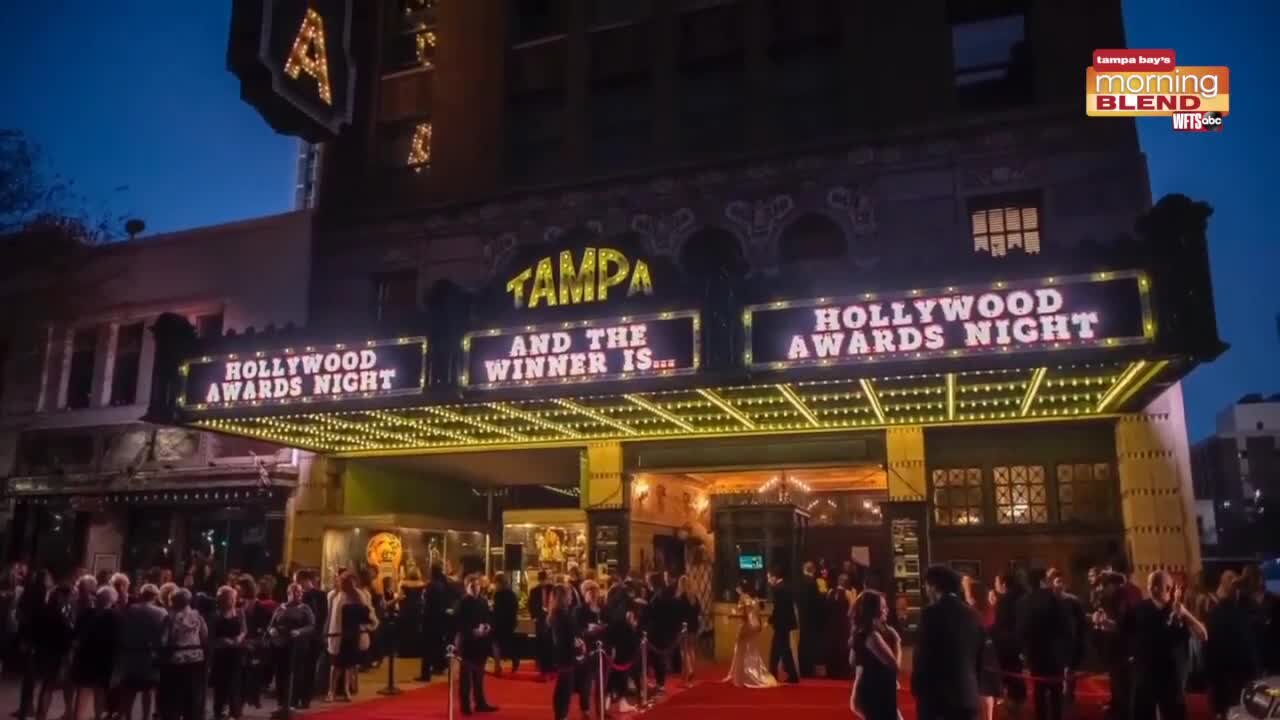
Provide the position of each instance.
(392, 642)
(644, 669)
(600, 694)
(684, 643)
(448, 659)
(286, 710)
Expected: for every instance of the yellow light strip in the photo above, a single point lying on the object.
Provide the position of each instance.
(641, 402)
(1142, 381)
(951, 396)
(597, 416)
(1119, 385)
(872, 399)
(363, 429)
(487, 427)
(531, 418)
(734, 412)
(424, 427)
(1033, 387)
(798, 404)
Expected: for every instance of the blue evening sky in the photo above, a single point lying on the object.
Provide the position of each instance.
(131, 99)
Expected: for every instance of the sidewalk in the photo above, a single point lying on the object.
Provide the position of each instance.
(369, 685)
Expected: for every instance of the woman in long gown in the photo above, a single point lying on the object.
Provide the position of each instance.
(748, 669)
(876, 657)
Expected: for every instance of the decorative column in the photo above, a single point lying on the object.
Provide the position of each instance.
(904, 463)
(1155, 487)
(603, 495)
(316, 498)
(906, 520)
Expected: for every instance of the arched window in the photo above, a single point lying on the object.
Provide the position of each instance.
(811, 237)
(712, 251)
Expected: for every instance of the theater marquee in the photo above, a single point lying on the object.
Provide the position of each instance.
(624, 348)
(1099, 310)
(372, 369)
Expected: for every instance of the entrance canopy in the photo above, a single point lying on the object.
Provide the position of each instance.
(981, 396)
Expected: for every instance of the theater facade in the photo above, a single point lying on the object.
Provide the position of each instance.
(954, 340)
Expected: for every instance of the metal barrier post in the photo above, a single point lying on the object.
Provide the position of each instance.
(687, 672)
(392, 641)
(600, 696)
(644, 669)
(287, 710)
(448, 660)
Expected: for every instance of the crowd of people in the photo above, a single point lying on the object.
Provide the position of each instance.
(112, 646)
(1028, 635)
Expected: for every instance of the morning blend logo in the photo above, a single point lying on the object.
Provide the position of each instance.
(1142, 83)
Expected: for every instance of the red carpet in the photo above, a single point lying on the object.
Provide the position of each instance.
(523, 699)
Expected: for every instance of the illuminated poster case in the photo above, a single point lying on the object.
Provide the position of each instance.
(305, 375)
(1101, 310)
(629, 347)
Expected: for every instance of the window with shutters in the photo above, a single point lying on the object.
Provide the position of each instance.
(957, 496)
(209, 326)
(1021, 495)
(84, 345)
(411, 36)
(1085, 493)
(394, 295)
(990, 55)
(128, 363)
(1001, 228)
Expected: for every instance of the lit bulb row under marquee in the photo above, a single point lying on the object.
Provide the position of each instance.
(372, 369)
(615, 349)
(1100, 310)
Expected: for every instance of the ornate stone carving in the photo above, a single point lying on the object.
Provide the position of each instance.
(855, 204)
(500, 249)
(662, 186)
(759, 220)
(663, 234)
(1010, 173)
(862, 156)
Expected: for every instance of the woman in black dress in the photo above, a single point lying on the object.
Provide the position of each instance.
(876, 656)
(350, 623)
(228, 630)
(590, 622)
(97, 641)
(990, 683)
(690, 615)
(1010, 589)
(566, 647)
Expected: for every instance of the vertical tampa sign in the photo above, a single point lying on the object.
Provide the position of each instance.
(294, 61)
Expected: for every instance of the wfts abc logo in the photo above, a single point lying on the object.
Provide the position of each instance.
(1210, 121)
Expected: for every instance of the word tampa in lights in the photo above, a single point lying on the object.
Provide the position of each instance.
(1101, 310)
(335, 372)
(586, 351)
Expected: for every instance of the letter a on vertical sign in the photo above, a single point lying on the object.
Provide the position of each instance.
(295, 63)
(308, 55)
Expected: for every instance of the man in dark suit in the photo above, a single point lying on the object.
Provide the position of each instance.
(783, 620)
(474, 643)
(1044, 626)
(810, 608)
(437, 601)
(539, 599)
(948, 654)
(1079, 630)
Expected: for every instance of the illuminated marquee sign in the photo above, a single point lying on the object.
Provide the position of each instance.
(295, 65)
(1101, 310)
(550, 282)
(624, 348)
(304, 375)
